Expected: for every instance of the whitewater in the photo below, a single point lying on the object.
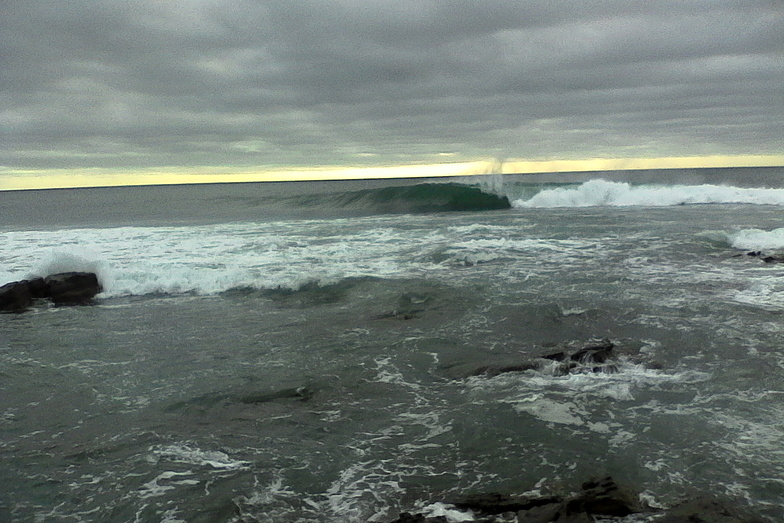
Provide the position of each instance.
(309, 351)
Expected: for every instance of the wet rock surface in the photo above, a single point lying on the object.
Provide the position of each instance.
(575, 358)
(72, 288)
(15, 297)
(66, 288)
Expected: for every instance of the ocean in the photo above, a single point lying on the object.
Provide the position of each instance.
(316, 351)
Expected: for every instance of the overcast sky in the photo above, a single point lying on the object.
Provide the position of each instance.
(188, 83)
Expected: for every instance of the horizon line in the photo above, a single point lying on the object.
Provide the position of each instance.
(104, 177)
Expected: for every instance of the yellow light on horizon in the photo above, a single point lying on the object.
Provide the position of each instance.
(624, 164)
(72, 178)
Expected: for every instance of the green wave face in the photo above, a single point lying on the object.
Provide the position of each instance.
(423, 198)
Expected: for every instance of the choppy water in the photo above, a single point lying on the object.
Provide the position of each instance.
(297, 352)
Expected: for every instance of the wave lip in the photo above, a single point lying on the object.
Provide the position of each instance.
(600, 192)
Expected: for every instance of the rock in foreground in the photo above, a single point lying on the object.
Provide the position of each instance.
(15, 296)
(67, 288)
(72, 287)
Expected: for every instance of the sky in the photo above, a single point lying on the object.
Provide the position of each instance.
(105, 92)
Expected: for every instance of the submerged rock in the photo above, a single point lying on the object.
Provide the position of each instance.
(591, 358)
(767, 258)
(67, 288)
(296, 393)
(225, 400)
(600, 498)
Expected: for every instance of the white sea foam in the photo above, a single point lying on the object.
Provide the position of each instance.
(767, 294)
(164, 482)
(758, 240)
(451, 513)
(566, 400)
(606, 193)
(187, 454)
(212, 259)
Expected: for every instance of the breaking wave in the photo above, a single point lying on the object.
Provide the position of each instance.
(420, 198)
(599, 192)
(758, 240)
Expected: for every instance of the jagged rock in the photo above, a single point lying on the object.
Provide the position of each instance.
(15, 296)
(72, 287)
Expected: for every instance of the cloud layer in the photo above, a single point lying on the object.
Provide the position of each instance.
(100, 83)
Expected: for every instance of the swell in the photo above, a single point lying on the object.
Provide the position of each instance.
(420, 198)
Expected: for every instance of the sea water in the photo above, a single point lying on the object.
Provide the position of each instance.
(294, 352)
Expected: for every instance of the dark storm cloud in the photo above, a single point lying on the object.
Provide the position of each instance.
(199, 82)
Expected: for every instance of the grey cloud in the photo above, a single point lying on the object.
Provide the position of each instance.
(146, 83)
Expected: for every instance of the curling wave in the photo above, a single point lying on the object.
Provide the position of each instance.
(420, 198)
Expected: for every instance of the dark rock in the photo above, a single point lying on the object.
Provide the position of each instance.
(63, 288)
(491, 371)
(542, 514)
(556, 356)
(495, 503)
(39, 290)
(468, 370)
(603, 498)
(594, 353)
(705, 510)
(407, 517)
(598, 499)
(15, 297)
(73, 287)
(592, 358)
(767, 258)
